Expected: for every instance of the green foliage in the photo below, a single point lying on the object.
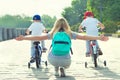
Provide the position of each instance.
(48, 21)
(74, 14)
(70, 15)
(110, 27)
(23, 21)
(106, 9)
(118, 27)
(75, 27)
(14, 21)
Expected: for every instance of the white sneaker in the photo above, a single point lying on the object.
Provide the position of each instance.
(56, 71)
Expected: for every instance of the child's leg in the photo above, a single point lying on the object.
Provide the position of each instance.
(32, 59)
(87, 46)
(96, 42)
(43, 45)
(32, 50)
(99, 50)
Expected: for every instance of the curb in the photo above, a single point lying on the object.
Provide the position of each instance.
(113, 35)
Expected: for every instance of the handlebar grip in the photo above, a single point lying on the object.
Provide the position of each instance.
(25, 33)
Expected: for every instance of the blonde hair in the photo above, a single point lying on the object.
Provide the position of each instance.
(61, 23)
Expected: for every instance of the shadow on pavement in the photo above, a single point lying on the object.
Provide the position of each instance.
(65, 78)
(41, 73)
(106, 72)
(44, 74)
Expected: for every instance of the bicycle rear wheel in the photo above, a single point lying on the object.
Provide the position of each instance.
(37, 63)
(95, 60)
(28, 64)
(37, 59)
(105, 63)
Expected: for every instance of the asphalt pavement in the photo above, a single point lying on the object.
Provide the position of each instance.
(14, 57)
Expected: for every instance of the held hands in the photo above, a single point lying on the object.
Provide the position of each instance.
(103, 38)
(21, 37)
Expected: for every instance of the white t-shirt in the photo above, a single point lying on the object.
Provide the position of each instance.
(36, 28)
(91, 26)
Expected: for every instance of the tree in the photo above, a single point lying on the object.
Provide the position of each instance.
(48, 21)
(108, 9)
(22, 21)
(15, 21)
(70, 15)
(74, 14)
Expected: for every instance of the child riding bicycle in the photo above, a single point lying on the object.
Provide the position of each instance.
(36, 29)
(91, 24)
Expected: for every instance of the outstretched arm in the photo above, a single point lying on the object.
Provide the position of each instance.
(80, 29)
(27, 32)
(101, 26)
(35, 38)
(101, 37)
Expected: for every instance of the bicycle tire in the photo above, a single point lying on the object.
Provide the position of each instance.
(37, 59)
(105, 63)
(28, 64)
(46, 64)
(86, 64)
(95, 59)
(37, 63)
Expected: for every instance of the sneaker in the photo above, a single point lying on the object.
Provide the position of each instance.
(32, 60)
(62, 72)
(56, 71)
(87, 54)
(100, 52)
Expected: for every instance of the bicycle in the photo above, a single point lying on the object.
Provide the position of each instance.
(38, 55)
(94, 53)
(94, 50)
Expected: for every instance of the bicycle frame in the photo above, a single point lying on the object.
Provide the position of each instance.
(93, 51)
(93, 46)
(38, 54)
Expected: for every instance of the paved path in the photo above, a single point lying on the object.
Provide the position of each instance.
(14, 56)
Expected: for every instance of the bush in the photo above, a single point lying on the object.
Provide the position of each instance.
(110, 27)
(75, 27)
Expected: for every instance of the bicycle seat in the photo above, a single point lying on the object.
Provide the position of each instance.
(36, 42)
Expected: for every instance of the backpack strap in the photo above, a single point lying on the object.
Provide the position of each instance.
(71, 51)
(50, 48)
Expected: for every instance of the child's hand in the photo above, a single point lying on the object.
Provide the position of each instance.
(103, 38)
(21, 37)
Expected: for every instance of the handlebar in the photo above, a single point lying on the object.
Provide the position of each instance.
(99, 30)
